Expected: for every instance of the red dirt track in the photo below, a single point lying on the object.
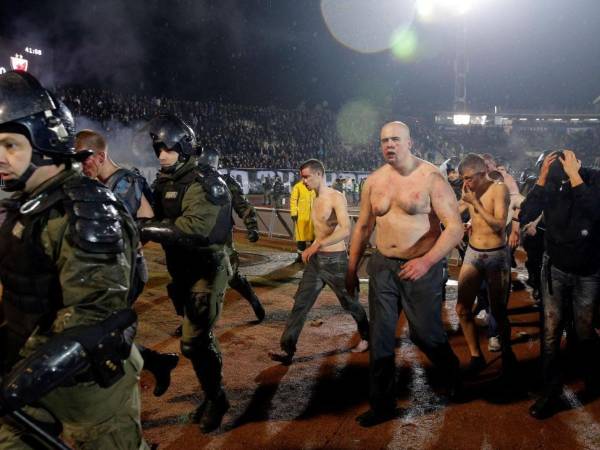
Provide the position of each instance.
(314, 402)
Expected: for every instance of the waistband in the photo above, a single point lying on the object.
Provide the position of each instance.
(337, 253)
(495, 249)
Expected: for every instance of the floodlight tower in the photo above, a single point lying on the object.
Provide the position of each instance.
(461, 67)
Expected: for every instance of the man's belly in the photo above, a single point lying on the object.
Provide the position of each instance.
(401, 236)
(486, 241)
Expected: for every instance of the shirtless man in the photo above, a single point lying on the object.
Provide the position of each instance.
(487, 257)
(326, 263)
(407, 199)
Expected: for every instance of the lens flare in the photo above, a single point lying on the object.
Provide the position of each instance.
(366, 26)
(404, 44)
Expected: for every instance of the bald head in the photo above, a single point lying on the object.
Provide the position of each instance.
(396, 143)
(398, 126)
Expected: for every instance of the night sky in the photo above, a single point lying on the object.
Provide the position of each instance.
(524, 54)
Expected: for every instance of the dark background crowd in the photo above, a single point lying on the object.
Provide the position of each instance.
(275, 138)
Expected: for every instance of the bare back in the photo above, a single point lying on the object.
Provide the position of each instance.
(407, 221)
(329, 213)
(495, 200)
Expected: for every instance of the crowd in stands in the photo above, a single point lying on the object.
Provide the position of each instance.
(270, 137)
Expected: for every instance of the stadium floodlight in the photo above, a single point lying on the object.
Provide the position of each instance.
(462, 119)
(430, 10)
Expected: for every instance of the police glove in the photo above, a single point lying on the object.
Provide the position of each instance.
(253, 235)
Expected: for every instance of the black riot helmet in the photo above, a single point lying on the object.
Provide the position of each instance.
(27, 108)
(169, 131)
(209, 157)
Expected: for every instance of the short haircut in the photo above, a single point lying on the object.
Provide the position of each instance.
(472, 161)
(313, 164)
(488, 157)
(92, 140)
(495, 175)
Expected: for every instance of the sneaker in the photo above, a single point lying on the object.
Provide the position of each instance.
(494, 344)
(361, 347)
(481, 319)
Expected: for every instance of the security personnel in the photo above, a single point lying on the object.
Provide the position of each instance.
(131, 188)
(193, 224)
(207, 163)
(301, 201)
(67, 253)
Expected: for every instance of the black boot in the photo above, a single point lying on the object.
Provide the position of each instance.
(546, 406)
(241, 284)
(211, 412)
(160, 366)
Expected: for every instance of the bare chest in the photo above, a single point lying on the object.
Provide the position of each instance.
(323, 213)
(409, 198)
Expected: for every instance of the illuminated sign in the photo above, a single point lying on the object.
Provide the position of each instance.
(17, 62)
(33, 51)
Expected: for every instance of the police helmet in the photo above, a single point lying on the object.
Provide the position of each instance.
(26, 106)
(209, 157)
(169, 131)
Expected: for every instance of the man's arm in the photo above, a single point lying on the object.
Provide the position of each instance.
(445, 206)
(360, 236)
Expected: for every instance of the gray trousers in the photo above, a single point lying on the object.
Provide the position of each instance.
(421, 301)
(324, 268)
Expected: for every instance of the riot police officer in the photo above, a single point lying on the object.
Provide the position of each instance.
(193, 224)
(67, 252)
(208, 161)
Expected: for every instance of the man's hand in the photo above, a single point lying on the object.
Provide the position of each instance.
(571, 165)
(530, 229)
(253, 235)
(414, 269)
(352, 284)
(546, 167)
(307, 254)
(513, 239)
(468, 196)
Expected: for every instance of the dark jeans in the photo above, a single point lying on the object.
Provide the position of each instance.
(568, 296)
(324, 268)
(421, 301)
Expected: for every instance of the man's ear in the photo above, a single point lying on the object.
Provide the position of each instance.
(101, 157)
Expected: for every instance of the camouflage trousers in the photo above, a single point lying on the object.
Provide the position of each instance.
(91, 417)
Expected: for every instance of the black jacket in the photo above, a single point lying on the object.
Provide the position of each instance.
(572, 218)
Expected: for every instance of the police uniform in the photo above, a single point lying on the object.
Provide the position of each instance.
(247, 213)
(67, 254)
(193, 224)
(66, 258)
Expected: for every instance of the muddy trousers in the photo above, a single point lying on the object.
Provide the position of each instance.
(324, 268)
(421, 301)
(566, 295)
(202, 308)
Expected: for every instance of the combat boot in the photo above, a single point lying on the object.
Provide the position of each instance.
(160, 366)
(213, 410)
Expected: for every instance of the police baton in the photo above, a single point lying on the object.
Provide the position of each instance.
(23, 419)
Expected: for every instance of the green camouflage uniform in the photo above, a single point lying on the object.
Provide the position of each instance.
(79, 245)
(198, 206)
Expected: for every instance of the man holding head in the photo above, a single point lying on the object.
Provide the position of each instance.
(487, 258)
(326, 261)
(569, 197)
(408, 200)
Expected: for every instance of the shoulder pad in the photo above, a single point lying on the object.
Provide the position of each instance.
(215, 188)
(95, 217)
(231, 182)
